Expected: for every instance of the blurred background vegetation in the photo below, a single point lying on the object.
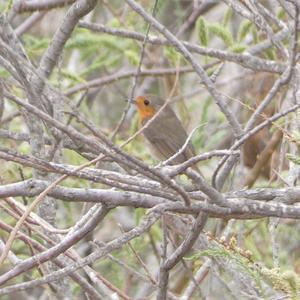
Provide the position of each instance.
(92, 55)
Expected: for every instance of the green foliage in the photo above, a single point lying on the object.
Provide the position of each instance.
(278, 124)
(288, 282)
(85, 40)
(102, 50)
(293, 282)
(134, 124)
(215, 138)
(199, 141)
(11, 171)
(72, 76)
(227, 17)
(296, 136)
(233, 258)
(237, 48)
(76, 289)
(183, 112)
(24, 148)
(221, 32)
(132, 56)
(141, 245)
(112, 271)
(156, 232)
(270, 53)
(244, 29)
(257, 244)
(202, 31)
(35, 45)
(114, 22)
(2, 7)
(281, 13)
(172, 55)
(293, 158)
(138, 215)
(73, 158)
(104, 60)
(6, 8)
(254, 34)
(4, 73)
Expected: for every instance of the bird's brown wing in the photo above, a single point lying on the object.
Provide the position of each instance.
(166, 139)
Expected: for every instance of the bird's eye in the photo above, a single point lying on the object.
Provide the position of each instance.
(146, 102)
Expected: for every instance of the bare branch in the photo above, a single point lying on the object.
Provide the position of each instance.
(21, 6)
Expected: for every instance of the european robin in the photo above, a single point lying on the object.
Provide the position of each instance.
(165, 134)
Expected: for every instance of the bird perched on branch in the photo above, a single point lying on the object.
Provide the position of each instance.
(165, 134)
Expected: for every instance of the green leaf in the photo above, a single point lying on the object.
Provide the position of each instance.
(156, 232)
(72, 76)
(278, 124)
(139, 213)
(281, 13)
(103, 61)
(227, 17)
(85, 39)
(202, 31)
(237, 48)
(293, 281)
(296, 135)
(244, 29)
(254, 34)
(199, 141)
(221, 32)
(270, 53)
(132, 57)
(8, 6)
(114, 22)
(293, 158)
(35, 45)
(4, 73)
(172, 55)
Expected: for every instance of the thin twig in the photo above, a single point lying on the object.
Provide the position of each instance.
(136, 75)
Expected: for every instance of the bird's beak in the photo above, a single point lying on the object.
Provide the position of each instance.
(132, 101)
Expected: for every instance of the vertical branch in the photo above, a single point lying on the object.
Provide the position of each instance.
(163, 275)
(179, 253)
(136, 75)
